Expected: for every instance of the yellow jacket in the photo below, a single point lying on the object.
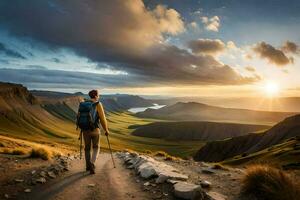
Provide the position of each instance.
(102, 117)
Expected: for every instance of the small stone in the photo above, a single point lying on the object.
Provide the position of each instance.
(41, 180)
(27, 190)
(51, 174)
(205, 184)
(43, 174)
(172, 181)
(6, 196)
(33, 172)
(19, 180)
(91, 185)
(146, 184)
(153, 184)
(207, 171)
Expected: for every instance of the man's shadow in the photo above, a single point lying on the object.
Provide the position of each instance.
(55, 187)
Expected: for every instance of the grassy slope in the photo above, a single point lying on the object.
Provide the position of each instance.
(33, 123)
(286, 154)
(195, 130)
(121, 137)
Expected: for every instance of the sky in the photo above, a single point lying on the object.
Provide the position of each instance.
(153, 47)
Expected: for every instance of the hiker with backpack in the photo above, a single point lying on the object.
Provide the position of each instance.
(90, 113)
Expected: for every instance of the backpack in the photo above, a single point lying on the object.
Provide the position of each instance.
(87, 118)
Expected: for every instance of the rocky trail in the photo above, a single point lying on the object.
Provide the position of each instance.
(136, 176)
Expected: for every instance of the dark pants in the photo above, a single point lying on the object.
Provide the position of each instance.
(91, 139)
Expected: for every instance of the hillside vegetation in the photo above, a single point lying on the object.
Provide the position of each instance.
(195, 130)
(49, 118)
(202, 112)
(280, 144)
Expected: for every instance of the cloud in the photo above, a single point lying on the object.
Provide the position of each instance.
(272, 54)
(290, 47)
(211, 24)
(231, 45)
(123, 34)
(10, 52)
(206, 46)
(193, 25)
(250, 69)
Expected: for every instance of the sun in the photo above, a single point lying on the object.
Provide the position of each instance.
(271, 89)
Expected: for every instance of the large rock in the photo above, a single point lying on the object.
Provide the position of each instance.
(148, 167)
(147, 170)
(165, 175)
(191, 191)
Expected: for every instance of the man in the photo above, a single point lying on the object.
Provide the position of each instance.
(91, 128)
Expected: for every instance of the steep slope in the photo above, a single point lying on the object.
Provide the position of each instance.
(23, 116)
(193, 130)
(202, 112)
(251, 144)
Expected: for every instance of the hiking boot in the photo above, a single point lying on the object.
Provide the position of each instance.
(92, 169)
(88, 168)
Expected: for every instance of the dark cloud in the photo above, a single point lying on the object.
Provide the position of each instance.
(10, 52)
(124, 34)
(206, 46)
(290, 47)
(272, 54)
(35, 67)
(56, 60)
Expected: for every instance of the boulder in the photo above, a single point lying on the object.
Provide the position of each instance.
(165, 175)
(191, 191)
(146, 171)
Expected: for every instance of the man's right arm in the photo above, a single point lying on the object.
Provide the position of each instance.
(102, 117)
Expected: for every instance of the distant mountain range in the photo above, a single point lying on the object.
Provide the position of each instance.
(203, 112)
(281, 139)
(116, 102)
(195, 130)
(282, 104)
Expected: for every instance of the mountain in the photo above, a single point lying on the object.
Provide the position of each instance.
(49, 119)
(280, 104)
(25, 116)
(128, 101)
(203, 112)
(195, 130)
(275, 138)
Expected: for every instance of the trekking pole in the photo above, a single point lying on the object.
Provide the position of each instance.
(112, 158)
(80, 148)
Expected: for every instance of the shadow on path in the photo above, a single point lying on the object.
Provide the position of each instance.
(55, 187)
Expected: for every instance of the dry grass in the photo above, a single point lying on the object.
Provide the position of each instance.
(17, 151)
(172, 158)
(6, 151)
(160, 154)
(2, 144)
(40, 152)
(268, 183)
(148, 152)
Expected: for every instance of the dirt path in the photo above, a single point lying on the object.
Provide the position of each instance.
(108, 183)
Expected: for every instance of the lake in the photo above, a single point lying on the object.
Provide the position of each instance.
(141, 109)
